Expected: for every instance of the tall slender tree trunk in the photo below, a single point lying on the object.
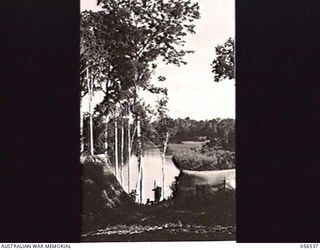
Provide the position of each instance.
(91, 135)
(141, 180)
(122, 153)
(163, 173)
(138, 198)
(89, 84)
(116, 155)
(81, 129)
(163, 160)
(140, 161)
(129, 153)
(106, 120)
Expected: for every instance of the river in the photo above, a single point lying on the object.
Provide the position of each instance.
(152, 174)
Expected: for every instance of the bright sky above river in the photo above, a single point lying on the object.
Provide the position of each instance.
(191, 89)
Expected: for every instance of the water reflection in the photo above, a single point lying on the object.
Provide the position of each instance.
(152, 174)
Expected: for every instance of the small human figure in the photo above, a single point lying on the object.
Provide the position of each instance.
(157, 193)
(133, 194)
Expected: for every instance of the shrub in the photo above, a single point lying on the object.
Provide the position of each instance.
(204, 160)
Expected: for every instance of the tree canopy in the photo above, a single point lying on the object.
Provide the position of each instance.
(223, 64)
(157, 27)
(122, 44)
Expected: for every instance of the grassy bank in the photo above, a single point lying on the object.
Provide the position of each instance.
(175, 148)
(193, 156)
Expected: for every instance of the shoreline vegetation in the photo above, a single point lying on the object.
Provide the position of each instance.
(200, 157)
(195, 160)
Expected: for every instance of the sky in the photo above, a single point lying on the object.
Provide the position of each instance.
(191, 88)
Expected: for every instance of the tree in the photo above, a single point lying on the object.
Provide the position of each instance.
(154, 29)
(164, 128)
(92, 57)
(103, 55)
(223, 64)
(142, 114)
(122, 43)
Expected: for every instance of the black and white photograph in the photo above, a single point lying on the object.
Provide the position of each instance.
(163, 123)
(157, 107)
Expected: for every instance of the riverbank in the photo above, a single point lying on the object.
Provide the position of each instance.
(109, 214)
(198, 156)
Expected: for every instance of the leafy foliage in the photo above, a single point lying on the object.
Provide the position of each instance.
(120, 45)
(223, 64)
(163, 128)
(103, 53)
(204, 160)
(217, 153)
(156, 27)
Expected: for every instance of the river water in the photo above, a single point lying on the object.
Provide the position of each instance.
(152, 174)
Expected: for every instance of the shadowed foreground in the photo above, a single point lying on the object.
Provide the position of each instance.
(166, 232)
(108, 214)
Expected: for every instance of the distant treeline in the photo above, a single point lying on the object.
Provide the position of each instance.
(216, 154)
(220, 132)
